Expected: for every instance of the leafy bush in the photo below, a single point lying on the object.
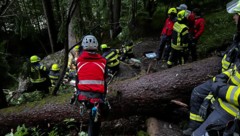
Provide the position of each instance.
(219, 28)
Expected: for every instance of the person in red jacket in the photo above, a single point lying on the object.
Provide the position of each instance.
(90, 82)
(166, 35)
(196, 32)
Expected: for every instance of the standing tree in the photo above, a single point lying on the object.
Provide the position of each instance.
(52, 33)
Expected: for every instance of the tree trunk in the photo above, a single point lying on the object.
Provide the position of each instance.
(72, 38)
(110, 7)
(66, 51)
(116, 16)
(147, 95)
(48, 10)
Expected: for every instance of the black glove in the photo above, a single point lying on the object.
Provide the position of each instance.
(203, 111)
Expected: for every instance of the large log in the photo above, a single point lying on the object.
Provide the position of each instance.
(148, 94)
(151, 93)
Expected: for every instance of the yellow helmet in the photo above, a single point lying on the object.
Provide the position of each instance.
(76, 48)
(172, 10)
(104, 46)
(181, 15)
(55, 67)
(34, 59)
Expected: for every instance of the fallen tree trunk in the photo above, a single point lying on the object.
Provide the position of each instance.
(149, 94)
(152, 93)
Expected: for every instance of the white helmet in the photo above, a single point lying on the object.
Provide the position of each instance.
(89, 42)
(233, 6)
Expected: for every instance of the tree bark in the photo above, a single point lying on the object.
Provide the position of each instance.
(52, 32)
(147, 95)
(116, 16)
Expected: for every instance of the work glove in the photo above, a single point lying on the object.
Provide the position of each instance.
(203, 111)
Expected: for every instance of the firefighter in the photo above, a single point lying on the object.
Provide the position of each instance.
(231, 54)
(226, 106)
(180, 40)
(54, 74)
(127, 50)
(111, 56)
(202, 98)
(38, 76)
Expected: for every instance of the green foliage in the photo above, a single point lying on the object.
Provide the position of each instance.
(21, 131)
(159, 17)
(142, 133)
(70, 122)
(54, 132)
(218, 29)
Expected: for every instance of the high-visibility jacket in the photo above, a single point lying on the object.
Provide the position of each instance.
(91, 72)
(54, 76)
(38, 73)
(231, 77)
(112, 57)
(229, 57)
(127, 49)
(228, 98)
(179, 36)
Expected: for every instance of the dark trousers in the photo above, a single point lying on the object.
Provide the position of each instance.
(43, 87)
(197, 97)
(164, 48)
(193, 49)
(218, 117)
(176, 57)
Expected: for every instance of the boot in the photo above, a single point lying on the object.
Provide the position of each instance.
(193, 125)
(188, 132)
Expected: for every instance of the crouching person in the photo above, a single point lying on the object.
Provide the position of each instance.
(226, 110)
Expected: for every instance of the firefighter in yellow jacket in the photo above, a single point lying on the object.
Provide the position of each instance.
(180, 39)
(38, 76)
(226, 106)
(203, 93)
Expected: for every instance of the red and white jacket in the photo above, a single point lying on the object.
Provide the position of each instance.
(198, 27)
(168, 27)
(91, 72)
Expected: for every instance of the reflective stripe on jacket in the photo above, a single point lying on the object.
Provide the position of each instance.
(225, 63)
(54, 76)
(112, 58)
(38, 74)
(90, 72)
(229, 98)
(179, 36)
(196, 117)
(128, 49)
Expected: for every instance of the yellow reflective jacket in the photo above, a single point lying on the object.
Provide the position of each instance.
(112, 57)
(38, 73)
(179, 36)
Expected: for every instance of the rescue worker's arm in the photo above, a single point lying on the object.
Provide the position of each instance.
(223, 77)
(201, 29)
(226, 92)
(185, 37)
